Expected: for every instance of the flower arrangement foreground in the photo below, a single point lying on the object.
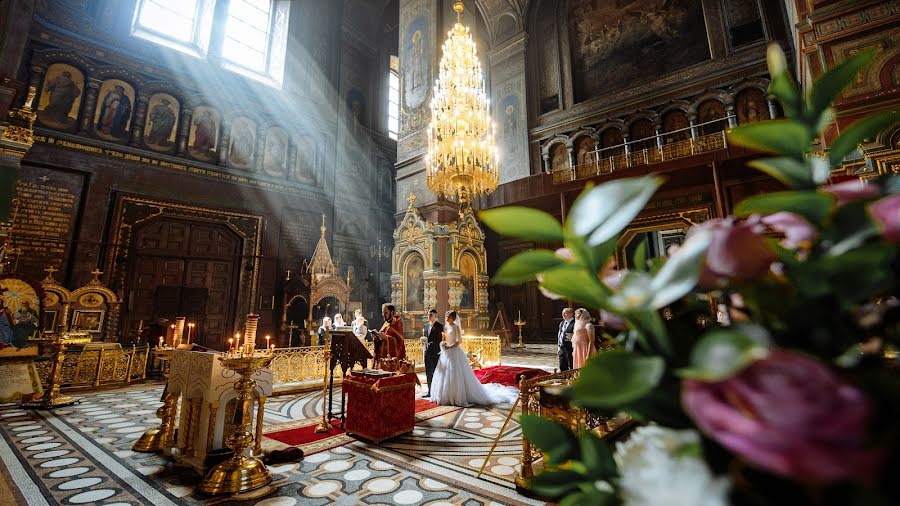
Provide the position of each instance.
(779, 402)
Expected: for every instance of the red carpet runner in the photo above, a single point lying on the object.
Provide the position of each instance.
(507, 375)
(303, 433)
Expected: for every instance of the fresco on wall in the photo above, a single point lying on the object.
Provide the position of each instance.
(112, 119)
(609, 138)
(61, 97)
(559, 157)
(468, 271)
(275, 156)
(356, 106)
(511, 131)
(617, 44)
(675, 123)
(751, 106)
(415, 286)
(708, 112)
(584, 150)
(243, 143)
(417, 67)
(203, 141)
(162, 122)
(305, 167)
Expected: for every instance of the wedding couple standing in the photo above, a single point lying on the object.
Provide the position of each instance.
(451, 381)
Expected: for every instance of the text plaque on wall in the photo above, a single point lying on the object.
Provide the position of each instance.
(43, 227)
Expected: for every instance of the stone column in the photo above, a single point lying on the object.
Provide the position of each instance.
(546, 159)
(571, 152)
(88, 105)
(184, 131)
(140, 116)
(259, 152)
(773, 108)
(729, 112)
(37, 81)
(224, 142)
(695, 130)
(292, 158)
(659, 138)
(627, 145)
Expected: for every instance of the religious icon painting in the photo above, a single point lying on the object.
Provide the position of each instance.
(275, 156)
(90, 320)
(60, 98)
(19, 312)
(467, 267)
(242, 145)
(162, 122)
(417, 67)
(112, 118)
(751, 106)
(305, 166)
(203, 140)
(50, 321)
(415, 284)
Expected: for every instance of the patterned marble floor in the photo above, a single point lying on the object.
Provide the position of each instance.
(81, 455)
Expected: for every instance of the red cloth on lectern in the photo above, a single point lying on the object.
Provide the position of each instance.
(380, 408)
(391, 345)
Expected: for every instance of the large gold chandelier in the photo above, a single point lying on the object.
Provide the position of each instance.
(462, 158)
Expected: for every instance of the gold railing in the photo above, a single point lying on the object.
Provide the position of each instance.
(650, 156)
(484, 348)
(94, 368)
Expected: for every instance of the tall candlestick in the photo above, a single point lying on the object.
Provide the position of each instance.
(267, 341)
(160, 341)
(179, 330)
(171, 333)
(190, 332)
(230, 344)
(252, 322)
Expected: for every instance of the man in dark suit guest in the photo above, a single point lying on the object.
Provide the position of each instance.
(434, 330)
(564, 339)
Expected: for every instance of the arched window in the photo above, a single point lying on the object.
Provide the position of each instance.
(393, 108)
(184, 25)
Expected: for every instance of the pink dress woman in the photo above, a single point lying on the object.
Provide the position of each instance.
(582, 339)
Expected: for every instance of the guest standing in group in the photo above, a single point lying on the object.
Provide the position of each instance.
(339, 321)
(360, 330)
(435, 332)
(582, 338)
(326, 326)
(564, 339)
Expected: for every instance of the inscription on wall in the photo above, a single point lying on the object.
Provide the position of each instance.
(299, 234)
(43, 225)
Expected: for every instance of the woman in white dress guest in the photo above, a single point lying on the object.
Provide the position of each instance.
(454, 383)
(359, 325)
(339, 321)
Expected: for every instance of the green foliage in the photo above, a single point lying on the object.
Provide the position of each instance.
(815, 207)
(525, 266)
(777, 136)
(600, 213)
(861, 131)
(721, 353)
(617, 377)
(523, 223)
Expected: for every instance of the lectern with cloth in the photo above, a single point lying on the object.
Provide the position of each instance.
(380, 406)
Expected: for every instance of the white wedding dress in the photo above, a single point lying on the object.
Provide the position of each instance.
(454, 383)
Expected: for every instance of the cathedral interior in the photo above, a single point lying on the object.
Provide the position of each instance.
(197, 171)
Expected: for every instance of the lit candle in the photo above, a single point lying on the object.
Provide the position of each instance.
(237, 339)
(267, 341)
(190, 332)
(160, 341)
(230, 344)
(520, 315)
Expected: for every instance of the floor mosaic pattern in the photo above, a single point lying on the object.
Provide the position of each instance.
(81, 455)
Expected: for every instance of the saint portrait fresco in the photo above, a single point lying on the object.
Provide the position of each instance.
(621, 43)
(675, 124)
(642, 133)
(61, 97)
(559, 157)
(356, 106)
(275, 157)
(468, 271)
(305, 166)
(708, 112)
(112, 119)
(19, 316)
(584, 151)
(162, 122)
(751, 106)
(611, 138)
(415, 286)
(243, 143)
(417, 68)
(203, 140)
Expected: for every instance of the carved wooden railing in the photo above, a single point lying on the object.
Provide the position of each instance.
(98, 367)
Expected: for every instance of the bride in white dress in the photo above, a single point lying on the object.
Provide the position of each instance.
(454, 383)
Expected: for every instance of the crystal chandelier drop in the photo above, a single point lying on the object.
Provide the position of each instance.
(462, 158)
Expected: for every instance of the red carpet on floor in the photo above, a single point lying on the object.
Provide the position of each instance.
(507, 375)
(305, 434)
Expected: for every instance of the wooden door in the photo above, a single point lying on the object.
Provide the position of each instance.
(185, 268)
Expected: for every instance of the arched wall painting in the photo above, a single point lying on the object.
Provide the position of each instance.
(709, 111)
(112, 120)
(417, 76)
(609, 138)
(243, 143)
(19, 317)
(61, 97)
(305, 166)
(618, 44)
(467, 267)
(203, 141)
(162, 122)
(415, 286)
(675, 124)
(584, 151)
(559, 157)
(751, 106)
(275, 157)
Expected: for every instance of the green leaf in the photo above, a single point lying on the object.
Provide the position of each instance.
(790, 171)
(678, 276)
(594, 498)
(523, 223)
(554, 483)
(525, 266)
(574, 282)
(640, 256)
(555, 440)
(780, 136)
(813, 206)
(720, 354)
(603, 211)
(616, 377)
(786, 90)
(826, 88)
(866, 128)
(597, 456)
(593, 257)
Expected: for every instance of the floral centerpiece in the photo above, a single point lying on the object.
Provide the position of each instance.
(786, 397)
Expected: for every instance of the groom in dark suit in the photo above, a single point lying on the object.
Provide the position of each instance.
(434, 330)
(564, 339)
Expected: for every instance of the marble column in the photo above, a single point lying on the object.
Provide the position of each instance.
(36, 81)
(184, 131)
(773, 108)
(695, 130)
(732, 119)
(137, 126)
(224, 143)
(659, 138)
(88, 105)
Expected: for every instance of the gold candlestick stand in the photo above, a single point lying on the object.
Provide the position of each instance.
(163, 436)
(520, 323)
(324, 426)
(52, 398)
(240, 473)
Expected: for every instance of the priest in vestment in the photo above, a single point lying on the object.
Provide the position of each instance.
(389, 343)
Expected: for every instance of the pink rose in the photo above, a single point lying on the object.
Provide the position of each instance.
(798, 233)
(566, 254)
(886, 213)
(850, 191)
(737, 251)
(791, 415)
